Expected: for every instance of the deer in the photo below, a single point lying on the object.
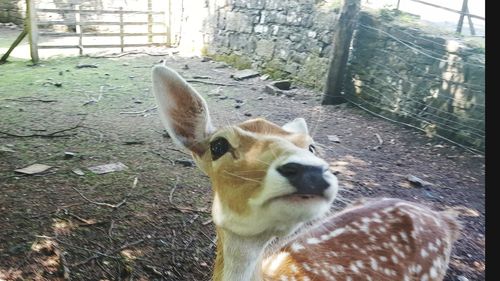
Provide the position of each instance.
(272, 196)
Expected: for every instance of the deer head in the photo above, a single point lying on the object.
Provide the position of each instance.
(266, 179)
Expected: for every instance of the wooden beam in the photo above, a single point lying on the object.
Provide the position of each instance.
(32, 29)
(448, 9)
(78, 30)
(121, 29)
(168, 20)
(150, 21)
(341, 43)
(62, 22)
(99, 46)
(462, 15)
(99, 11)
(16, 42)
(96, 34)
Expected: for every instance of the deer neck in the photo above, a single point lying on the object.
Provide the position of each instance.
(238, 258)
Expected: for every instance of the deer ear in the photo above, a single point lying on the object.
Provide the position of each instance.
(183, 112)
(298, 125)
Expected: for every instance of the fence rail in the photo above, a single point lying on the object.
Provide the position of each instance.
(100, 11)
(463, 13)
(78, 22)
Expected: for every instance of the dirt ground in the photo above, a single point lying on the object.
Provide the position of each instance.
(59, 224)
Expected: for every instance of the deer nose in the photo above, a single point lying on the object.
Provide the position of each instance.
(307, 179)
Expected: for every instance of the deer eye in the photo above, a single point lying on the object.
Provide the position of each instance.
(219, 147)
(312, 148)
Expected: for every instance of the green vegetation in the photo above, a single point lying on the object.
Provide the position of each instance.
(274, 70)
(239, 62)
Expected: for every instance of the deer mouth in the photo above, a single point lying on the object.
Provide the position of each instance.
(300, 197)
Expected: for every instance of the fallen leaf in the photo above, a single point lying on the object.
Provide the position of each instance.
(108, 168)
(33, 169)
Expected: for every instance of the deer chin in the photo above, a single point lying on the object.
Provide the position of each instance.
(277, 218)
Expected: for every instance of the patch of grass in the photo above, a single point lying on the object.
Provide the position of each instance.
(274, 70)
(237, 61)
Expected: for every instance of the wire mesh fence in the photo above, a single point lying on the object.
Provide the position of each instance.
(432, 83)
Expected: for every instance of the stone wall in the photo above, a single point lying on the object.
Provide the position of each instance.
(284, 38)
(434, 82)
(11, 11)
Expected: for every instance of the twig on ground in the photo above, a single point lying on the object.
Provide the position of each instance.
(110, 230)
(173, 190)
(209, 82)
(184, 209)
(209, 239)
(108, 253)
(163, 157)
(140, 112)
(30, 99)
(49, 135)
(380, 140)
(105, 270)
(64, 265)
(114, 206)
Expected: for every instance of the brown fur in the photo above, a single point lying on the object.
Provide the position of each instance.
(238, 177)
(355, 245)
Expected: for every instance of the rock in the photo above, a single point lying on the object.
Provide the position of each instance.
(185, 162)
(248, 114)
(260, 98)
(222, 65)
(69, 155)
(265, 48)
(108, 168)
(185, 67)
(418, 182)
(264, 77)
(245, 74)
(333, 138)
(270, 89)
(133, 142)
(78, 172)
(205, 59)
(86, 66)
(282, 84)
(6, 149)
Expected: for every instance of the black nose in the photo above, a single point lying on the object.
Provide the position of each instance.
(307, 179)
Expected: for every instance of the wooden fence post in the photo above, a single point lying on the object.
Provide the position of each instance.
(168, 14)
(150, 21)
(121, 29)
(341, 43)
(462, 15)
(471, 25)
(32, 29)
(78, 29)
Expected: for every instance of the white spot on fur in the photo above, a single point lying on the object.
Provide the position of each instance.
(297, 247)
(373, 263)
(433, 272)
(277, 262)
(423, 253)
(313, 241)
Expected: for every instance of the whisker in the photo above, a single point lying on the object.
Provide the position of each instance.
(264, 162)
(241, 177)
